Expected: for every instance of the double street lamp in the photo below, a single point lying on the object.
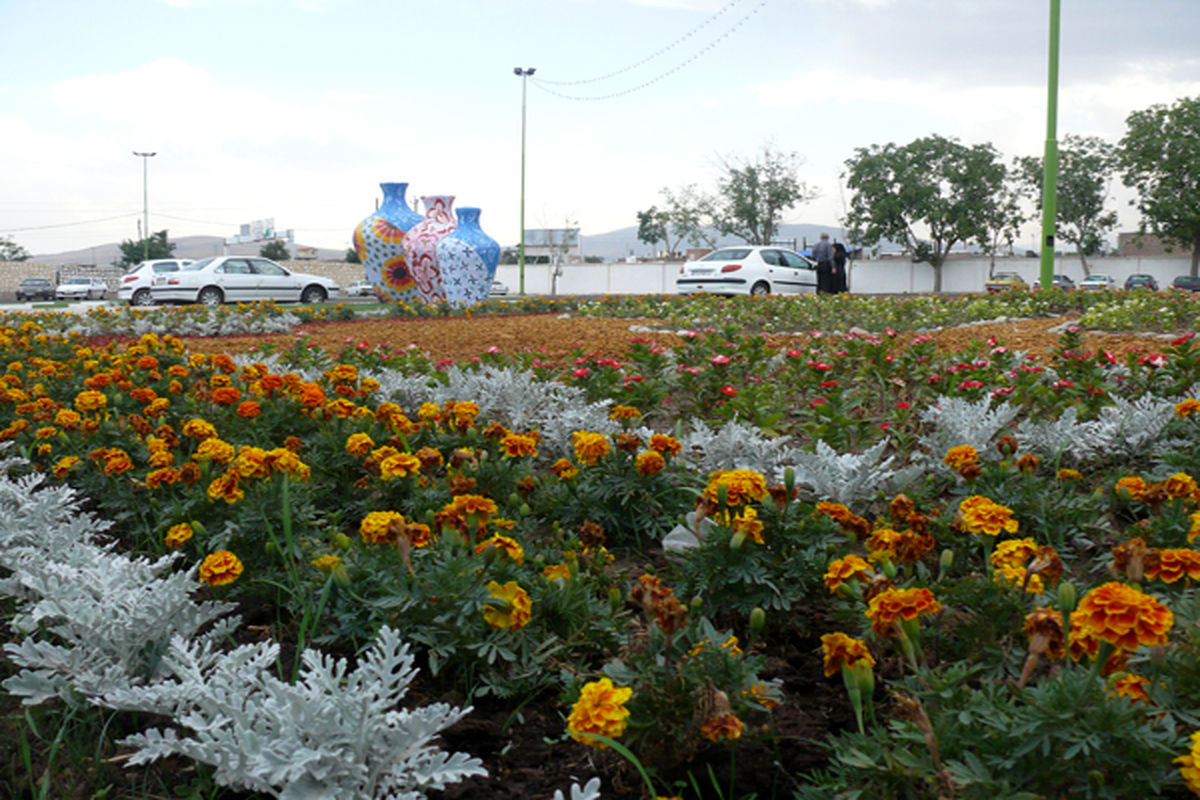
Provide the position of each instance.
(524, 75)
(145, 206)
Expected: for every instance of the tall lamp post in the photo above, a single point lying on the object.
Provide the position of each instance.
(1050, 159)
(145, 206)
(524, 74)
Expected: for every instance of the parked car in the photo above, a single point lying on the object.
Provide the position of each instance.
(1097, 283)
(35, 289)
(237, 279)
(136, 283)
(80, 288)
(1005, 281)
(1141, 282)
(1188, 283)
(498, 289)
(1058, 282)
(748, 270)
(360, 289)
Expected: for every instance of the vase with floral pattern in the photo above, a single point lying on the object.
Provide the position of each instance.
(379, 243)
(467, 259)
(420, 246)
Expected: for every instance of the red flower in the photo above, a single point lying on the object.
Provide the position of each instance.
(729, 391)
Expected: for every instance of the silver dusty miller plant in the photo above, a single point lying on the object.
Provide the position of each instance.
(844, 478)
(957, 422)
(335, 733)
(1124, 428)
(736, 445)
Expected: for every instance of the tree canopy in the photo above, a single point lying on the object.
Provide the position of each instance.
(752, 195)
(1160, 157)
(934, 185)
(652, 228)
(1085, 169)
(276, 250)
(11, 251)
(135, 252)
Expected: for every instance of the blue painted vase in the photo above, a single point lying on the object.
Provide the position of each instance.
(379, 243)
(468, 258)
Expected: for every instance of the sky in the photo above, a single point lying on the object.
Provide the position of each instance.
(297, 110)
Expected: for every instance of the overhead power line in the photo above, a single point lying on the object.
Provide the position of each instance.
(69, 224)
(545, 85)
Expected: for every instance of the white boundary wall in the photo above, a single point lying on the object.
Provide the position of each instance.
(882, 276)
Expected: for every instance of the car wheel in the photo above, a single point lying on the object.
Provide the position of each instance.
(210, 296)
(313, 294)
(140, 298)
(760, 288)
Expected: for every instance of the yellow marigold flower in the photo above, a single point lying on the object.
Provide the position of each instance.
(63, 466)
(624, 412)
(158, 477)
(220, 568)
(599, 709)
(326, 563)
(178, 535)
(342, 373)
(505, 545)
(1189, 765)
(225, 487)
(1194, 530)
(980, 515)
(894, 605)
(564, 470)
(843, 651)
(286, 462)
(515, 445)
(46, 432)
(1134, 486)
(748, 524)
(1131, 686)
(90, 400)
(400, 465)
(429, 412)
(1180, 485)
(215, 449)
(199, 429)
(1185, 408)
(1173, 564)
(381, 526)
(1069, 474)
(464, 413)
(649, 462)
(555, 572)
(1013, 552)
(961, 456)
(359, 444)
(251, 462)
(741, 485)
(1123, 616)
(474, 504)
(1015, 576)
(727, 726)
(590, 447)
(67, 419)
(508, 606)
(848, 568)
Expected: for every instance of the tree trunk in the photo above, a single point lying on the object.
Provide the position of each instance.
(937, 277)
(1195, 254)
(1083, 261)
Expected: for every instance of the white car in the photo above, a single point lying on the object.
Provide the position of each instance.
(239, 279)
(1097, 282)
(135, 284)
(80, 288)
(360, 289)
(748, 270)
(498, 289)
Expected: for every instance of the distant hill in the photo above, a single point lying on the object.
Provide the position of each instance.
(616, 245)
(193, 247)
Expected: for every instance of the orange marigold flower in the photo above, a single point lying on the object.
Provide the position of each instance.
(1185, 408)
(601, 710)
(116, 461)
(67, 419)
(248, 409)
(220, 568)
(894, 605)
(199, 429)
(311, 395)
(400, 465)
(961, 456)
(649, 462)
(516, 445)
(359, 444)
(848, 568)
(158, 477)
(222, 362)
(749, 525)
(505, 545)
(64, 466)
(215, 450)
(564, 470)
(666, 445)
(1013, 552)
(90, 400)
(1181, 485)
(624, 412)
(178, 535)
(251, 462)
(286, 462)
(1123, 616)
(508, 606)
(1028, 462)
(844, 517)
(844, 651)
(226, 395)
(978, 514)
(1134, 486)
(741, 486)
(1131, 686)
(590, 447)
(382, 526)
(555, 572)
(1069, 474)
(1174, 564)
(225, 487)
(1189, 764)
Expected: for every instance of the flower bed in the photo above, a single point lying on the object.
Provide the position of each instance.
(632, 558)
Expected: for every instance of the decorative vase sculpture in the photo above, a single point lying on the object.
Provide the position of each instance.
(467, 259)
(379, 242)
(420, 246)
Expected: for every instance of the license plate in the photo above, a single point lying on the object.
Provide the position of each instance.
(702, 272)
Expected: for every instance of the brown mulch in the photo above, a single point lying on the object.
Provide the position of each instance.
(554, 337)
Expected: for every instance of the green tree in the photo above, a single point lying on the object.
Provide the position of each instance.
(1160, 157)
(352, 256)
(752, 195)
(935, 184)
(276, 250)
(1085, 169)
(1003, 220)
(652, 228)
(690, 214)
(11, 251)
(156, 247)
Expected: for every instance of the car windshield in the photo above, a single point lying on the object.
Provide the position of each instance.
(195, 265)
(728, 254)
(74, 280)
(1006, 276)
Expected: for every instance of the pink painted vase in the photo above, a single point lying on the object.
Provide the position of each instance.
(420, 246)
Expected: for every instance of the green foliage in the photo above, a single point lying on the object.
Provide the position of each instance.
(352, 256)
(276, 250)
(652, 227)
(156, 246)
(11, 251)
(752, 195)
(1160, 157)
(690, 214)
(936, 183)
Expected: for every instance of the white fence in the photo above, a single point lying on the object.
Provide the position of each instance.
(882, 276)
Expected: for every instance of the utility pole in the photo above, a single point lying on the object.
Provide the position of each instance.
(145, 205)
(524, 75)
(1050, 159)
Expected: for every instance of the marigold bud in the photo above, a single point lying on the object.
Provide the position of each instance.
(1066, 597)
(947, 560)
(758, 620)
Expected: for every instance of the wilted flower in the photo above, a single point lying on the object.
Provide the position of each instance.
(600, 709)
(726, 726)
(1044, 627)
(508, 606)
(220, 568)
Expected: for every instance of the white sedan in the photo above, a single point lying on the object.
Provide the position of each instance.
(748, 270)
(80, 288)
(1097, 283)
(238, 279)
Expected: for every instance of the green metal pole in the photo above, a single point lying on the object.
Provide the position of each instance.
(1050, 160)
(524, 78)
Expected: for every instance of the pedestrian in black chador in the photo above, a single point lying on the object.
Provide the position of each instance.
(822, 253)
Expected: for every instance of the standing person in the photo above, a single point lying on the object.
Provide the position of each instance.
(822, 253)
(839, 268)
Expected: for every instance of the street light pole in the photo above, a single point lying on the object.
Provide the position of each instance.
(524, 74)
(1050, 159)
(145, 206)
